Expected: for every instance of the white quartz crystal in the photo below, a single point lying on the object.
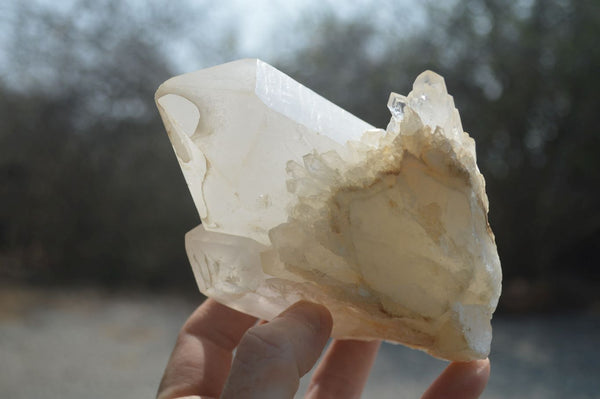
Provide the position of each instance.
(301, 200)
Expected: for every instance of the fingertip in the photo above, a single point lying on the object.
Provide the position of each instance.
(272, 357)
(314, 315)
(479, 376)
(201, 358)
(465, 380)
(344, 370)
(483, 368)
(482, 373)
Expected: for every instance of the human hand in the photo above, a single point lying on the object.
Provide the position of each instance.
(272, 357)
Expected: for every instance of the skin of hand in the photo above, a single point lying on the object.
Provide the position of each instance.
(272, 357)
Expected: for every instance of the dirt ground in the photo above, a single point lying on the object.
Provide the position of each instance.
(92, 344)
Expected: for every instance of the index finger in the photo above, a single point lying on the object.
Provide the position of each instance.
(272, 357)
(201, 359)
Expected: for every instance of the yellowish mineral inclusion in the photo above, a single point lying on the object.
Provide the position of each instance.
(301, 200)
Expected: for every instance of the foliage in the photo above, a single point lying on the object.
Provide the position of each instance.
(90, 190)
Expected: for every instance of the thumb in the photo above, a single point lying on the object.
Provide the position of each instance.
(272, 357)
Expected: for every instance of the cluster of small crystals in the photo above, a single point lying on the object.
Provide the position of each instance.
(301, 200)
(404, 227)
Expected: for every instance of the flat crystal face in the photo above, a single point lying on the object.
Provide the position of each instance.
(301, 200)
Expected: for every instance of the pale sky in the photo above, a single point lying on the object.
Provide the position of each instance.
(266, 29)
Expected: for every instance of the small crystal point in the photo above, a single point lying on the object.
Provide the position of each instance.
(430, 82)
(301, 200)
(396, 105)
(430, 99)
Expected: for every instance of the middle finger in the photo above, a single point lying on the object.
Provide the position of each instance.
(344, 370)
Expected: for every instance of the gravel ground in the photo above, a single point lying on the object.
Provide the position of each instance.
(86, 343)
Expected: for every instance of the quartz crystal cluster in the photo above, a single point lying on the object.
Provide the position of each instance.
(301, 200)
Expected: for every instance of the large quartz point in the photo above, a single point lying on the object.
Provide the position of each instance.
(301, 200)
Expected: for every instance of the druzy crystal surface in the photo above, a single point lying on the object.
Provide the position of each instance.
(301, 200)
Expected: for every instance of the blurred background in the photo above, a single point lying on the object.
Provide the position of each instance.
(94, 279)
